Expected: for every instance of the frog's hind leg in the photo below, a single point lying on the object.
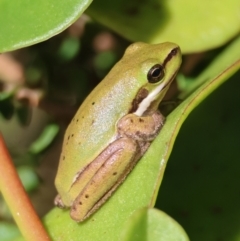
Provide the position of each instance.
(121, 156)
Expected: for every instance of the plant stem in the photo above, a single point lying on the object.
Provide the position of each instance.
(18, 200)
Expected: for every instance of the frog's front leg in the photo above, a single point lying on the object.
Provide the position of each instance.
(141, 128)
(117, 160)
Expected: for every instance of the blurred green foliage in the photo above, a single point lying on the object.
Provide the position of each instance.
(200, 187)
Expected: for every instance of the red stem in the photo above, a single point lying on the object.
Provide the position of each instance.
(18, 200)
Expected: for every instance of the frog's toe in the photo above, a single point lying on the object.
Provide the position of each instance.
(58, 202)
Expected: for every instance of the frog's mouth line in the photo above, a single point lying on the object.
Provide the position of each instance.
(171, 80)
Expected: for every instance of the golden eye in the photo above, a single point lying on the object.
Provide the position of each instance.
(155, 74)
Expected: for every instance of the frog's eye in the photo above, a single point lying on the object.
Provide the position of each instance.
(155, 74)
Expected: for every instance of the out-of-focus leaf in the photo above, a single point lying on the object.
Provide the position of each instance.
(223, 61)
(27, 22)
(6, 95)
(103, 62)
(8, 231)
(69, 48)
(28, 177)
(194, 25)
(33, 75)
(45, 139)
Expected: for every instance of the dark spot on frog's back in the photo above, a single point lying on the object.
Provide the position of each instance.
(141, 120)
(140, 96)
(93, 103)
(86, 196)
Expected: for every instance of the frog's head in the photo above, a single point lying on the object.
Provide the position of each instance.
(157, 66)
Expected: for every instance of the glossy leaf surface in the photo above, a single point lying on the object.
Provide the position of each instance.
(194, 25)
(26, 22)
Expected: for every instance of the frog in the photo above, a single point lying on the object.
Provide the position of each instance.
(114, 127)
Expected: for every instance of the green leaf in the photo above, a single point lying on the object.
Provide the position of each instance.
(104, 60)
(221, 62)
(152, 225)
(28, 177)
(45, 139)
(200, 188)
(141, 187)
(194, 25)
(27, 22)
(69, 48)
(8, 231)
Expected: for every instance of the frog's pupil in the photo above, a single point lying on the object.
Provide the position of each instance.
(155, 74)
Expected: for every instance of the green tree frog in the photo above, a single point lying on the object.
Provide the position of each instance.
(114, 127)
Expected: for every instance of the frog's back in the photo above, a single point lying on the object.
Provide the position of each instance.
(93, 127)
